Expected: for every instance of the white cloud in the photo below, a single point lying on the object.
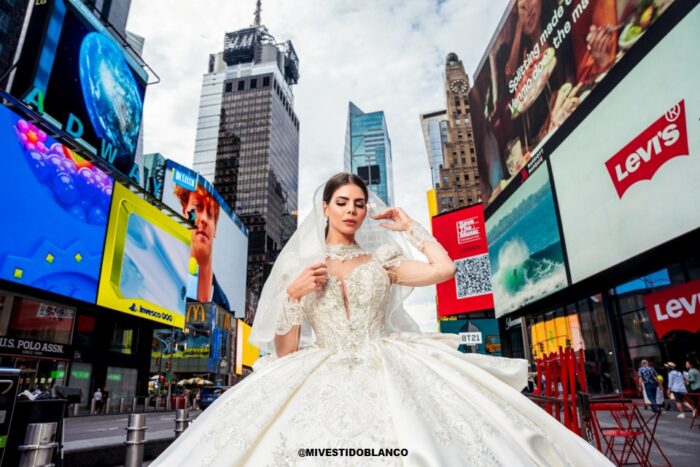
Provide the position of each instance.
(383, 55)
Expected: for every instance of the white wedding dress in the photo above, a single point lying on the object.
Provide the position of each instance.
(360, 387)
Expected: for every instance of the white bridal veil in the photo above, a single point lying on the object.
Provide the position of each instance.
(307, 247)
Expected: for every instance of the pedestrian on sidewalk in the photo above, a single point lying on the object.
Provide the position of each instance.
(676, 386)
(648, 382)
(693, 376)
(97, 396)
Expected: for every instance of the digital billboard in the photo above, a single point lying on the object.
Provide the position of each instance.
(635, 185)
(463, 234)
(219, 256)
(246, 353)
(79, 77)
(56, 206)
(544, 60)
(146, 254)
(476, 335)
(525, 248)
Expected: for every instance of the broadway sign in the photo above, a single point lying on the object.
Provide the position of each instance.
(675, 309)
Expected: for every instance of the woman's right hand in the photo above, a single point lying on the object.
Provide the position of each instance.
(312, 278)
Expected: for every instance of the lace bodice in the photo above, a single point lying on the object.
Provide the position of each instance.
(347, 325)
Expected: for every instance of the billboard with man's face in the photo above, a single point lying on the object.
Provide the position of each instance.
(219, 254)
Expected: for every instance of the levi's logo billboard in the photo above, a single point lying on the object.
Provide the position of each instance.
(639, 160)
(675, 308)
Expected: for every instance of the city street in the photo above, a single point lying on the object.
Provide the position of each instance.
(102, 430)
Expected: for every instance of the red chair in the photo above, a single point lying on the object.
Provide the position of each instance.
(625, 438)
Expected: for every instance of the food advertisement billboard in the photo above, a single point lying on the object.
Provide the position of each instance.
(462, 233)
(219, 256)
(545, 59)
(635, 184)
(525, 248)
(144, 271)
(56, 205)
(80, 78)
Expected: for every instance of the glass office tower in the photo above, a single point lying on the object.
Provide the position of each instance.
(368, 151)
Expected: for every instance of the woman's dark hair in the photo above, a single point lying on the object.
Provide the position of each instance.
(339, 180)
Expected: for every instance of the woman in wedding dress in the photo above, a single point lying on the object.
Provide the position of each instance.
(350, 380)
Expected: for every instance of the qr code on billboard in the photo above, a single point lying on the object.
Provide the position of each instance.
(473, 276)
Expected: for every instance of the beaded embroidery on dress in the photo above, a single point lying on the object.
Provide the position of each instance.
(361, 387)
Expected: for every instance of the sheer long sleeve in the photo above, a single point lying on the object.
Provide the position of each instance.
(439, 267)
(287, 328)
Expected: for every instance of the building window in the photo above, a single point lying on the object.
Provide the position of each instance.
(229, 87)
(253, 83)
(241, 85)
(464, 160)
(266, 81)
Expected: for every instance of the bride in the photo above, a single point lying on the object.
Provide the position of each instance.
(350, 380)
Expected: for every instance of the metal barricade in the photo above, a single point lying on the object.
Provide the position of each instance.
(135, 440)
(39, 444)
(182, 421)
(121, 405)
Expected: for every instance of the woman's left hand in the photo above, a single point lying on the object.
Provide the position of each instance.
(401, 221)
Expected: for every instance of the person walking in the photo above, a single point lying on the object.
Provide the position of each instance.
(97, 397)
(676, 386)
(693, 376)
(648, 383)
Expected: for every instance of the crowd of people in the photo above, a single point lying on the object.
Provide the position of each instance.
(679, 384)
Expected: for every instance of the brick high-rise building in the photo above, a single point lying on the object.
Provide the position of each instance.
(456, 178)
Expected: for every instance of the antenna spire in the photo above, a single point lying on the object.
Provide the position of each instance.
(258, 9)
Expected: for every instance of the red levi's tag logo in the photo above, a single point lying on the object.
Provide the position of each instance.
(663, 140)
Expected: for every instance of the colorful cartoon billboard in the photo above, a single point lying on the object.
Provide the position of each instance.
(56, 206)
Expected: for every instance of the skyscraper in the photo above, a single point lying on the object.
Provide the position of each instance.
(368, 151)
(450, 144)
(434, 125)
(248, 138)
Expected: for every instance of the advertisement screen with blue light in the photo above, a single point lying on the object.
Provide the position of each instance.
(81, 79)
(56, 206)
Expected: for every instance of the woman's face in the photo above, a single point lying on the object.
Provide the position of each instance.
(529, 12)
(347, 209)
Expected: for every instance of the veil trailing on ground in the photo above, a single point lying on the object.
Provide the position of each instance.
(306, 247)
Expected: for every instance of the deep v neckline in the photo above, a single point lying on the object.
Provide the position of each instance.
(342, 286)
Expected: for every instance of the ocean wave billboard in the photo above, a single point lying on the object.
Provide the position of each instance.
(525, 248)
